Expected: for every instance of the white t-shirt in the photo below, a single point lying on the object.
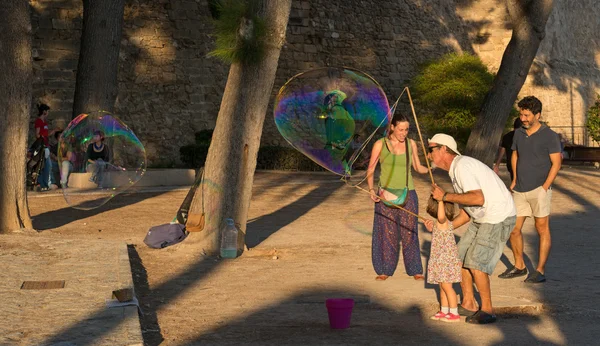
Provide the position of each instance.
(469, 174)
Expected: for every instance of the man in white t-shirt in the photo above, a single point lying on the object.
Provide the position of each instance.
(484, 200)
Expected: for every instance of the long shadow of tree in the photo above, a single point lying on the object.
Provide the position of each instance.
(262, 227)
(56, 218)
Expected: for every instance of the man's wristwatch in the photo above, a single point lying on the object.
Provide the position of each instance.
(444, 197)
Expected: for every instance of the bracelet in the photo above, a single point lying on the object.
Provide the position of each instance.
(444, 197)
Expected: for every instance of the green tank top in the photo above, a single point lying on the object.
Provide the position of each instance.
(393, 169)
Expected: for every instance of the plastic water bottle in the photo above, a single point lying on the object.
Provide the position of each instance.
(229, 240)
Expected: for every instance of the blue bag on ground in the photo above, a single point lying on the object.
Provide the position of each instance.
(159, 237)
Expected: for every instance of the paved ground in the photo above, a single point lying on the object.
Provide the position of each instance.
(310, 240)
(73, 315)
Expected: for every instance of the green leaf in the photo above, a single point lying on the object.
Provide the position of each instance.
(592, 122)
(240, 32)
(449, 92)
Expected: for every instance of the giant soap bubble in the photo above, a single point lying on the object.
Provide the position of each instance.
(330, 114)
(104, 158)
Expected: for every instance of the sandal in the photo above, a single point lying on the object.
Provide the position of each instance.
(419, 277)
(381, 277)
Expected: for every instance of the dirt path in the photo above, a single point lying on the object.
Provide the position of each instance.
(310, 240)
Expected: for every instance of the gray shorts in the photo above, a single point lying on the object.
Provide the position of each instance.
(483, 243)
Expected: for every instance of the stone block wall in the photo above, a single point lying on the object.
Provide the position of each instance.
(168, 88)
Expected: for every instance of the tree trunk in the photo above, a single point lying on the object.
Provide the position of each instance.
(529, 25)
(15, 107)
(231, 160)
(96, 86)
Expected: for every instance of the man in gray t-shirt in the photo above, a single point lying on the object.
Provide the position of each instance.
(537, 159)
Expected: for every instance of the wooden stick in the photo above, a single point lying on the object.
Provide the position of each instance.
(412, 107)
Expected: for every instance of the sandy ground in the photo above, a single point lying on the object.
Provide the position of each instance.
(310, 240)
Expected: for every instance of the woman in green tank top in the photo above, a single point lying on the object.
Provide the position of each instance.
(393, 226)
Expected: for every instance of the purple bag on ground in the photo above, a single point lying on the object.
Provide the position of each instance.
(159, 237)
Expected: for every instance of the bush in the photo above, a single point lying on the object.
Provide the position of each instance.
(193, 155)
(449, 93)
(203, 137)
(592, 122)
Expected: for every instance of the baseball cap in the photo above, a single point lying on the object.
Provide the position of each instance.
(444, 139)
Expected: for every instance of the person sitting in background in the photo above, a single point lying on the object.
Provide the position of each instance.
(506, 148)
(54, 168)
(564, 142)
(65, 160)
(97, 158)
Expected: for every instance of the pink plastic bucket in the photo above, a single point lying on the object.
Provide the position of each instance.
(340, 312)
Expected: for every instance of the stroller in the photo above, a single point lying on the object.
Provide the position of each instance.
(35, 162)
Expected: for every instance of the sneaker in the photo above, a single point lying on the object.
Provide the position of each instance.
(536, 278)
(438, 316)
(513, 273)
(450, 317)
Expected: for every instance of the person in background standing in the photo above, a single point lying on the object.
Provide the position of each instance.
(537, 159)
(506, 149)
(42, 131)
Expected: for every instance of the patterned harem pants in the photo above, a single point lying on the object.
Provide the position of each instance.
(390, 227)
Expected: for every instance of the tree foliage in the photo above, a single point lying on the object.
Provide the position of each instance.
(593, 120)
(449, 93)
(240, 31)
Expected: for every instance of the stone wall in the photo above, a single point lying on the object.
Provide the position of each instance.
(168, 88)
(565, 74)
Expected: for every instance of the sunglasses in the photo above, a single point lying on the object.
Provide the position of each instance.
(430, 149)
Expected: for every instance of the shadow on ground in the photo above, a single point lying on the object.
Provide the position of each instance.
(57, 218)
(263, 227)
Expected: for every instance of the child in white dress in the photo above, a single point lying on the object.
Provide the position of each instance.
(444, 264)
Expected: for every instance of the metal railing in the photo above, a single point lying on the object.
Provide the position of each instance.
(576, 135)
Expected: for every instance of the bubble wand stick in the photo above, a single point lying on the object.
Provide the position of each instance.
(412, 107)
